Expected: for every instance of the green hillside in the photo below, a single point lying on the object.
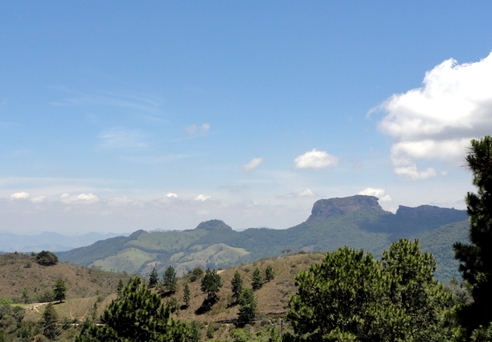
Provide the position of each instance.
(357, 222)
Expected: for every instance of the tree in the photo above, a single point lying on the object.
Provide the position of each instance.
(414, 289)
(169, 280)
(46, 258)
(236, 286)
(119, 288)
(352, 296)
(153, 278)
(257, 279)
(476, 258)
(186, 295)
(211, 284)
(269, 274)
(50, 322)
(248, 307)
(60, 290)
(138, 315)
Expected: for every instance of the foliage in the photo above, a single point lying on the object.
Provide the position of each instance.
(153, 278)
(236, 286)
(476, 258)
(186, 295)
(257, 279)
(119, 288)
(248, 307)
(60, 290)
(352, 296)
(137, 316)
(46, 258)
(169, 280)
(211, 284)
(50, 322)
(195, 274)
(269, 274)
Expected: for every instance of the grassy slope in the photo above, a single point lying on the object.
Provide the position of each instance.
(20, 271)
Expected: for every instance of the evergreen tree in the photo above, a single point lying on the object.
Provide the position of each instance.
(50, 322)
(352, 296)
(269, 274)
(236, 286)
(476, 258)
(257, 280)
(186, 295)
(119, 288)
(153, 279)
(211, 284)
(138, 315)
(248, 307)
(60, 290)
(169, 280)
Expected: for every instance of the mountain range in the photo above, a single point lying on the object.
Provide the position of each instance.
(357, 221)
(48, 241)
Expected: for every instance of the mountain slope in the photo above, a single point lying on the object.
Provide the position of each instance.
(357, 222)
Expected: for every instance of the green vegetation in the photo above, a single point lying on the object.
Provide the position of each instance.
(169, 281)
(153, 278)
(138, 315)
(358, 222)
(236, 286)
(352, 296)
(46, 258)
(257, 281)
(476, 258)
(211, 284)
(248, 308)
(60, 290)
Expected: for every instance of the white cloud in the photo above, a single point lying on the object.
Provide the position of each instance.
(411, 172)
(171, 195)
(82, 198)
(202, 198)
(119, 137)
(253, 164)
(198, 129)
(438, 120)
(19, 195)
(316, 160)
(377, 192)
(38, 199)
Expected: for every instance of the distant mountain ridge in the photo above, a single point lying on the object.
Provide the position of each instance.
(356, 221)
(48, 241)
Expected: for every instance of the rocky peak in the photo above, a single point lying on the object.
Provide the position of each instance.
(213, 225)
(326, 208)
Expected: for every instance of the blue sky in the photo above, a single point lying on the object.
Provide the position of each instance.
(118, 116)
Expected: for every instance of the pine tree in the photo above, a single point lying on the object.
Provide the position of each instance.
(138, 315)
(169, 280)
(186, 295)
(476, 258)
(248, 307)
(269, 274)
(119, 288)
(153, 279)
(236, 286)
(50, 322)
(257, 280)
(211, 284)
(59, 290)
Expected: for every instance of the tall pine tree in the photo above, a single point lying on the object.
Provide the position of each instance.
(476, 258)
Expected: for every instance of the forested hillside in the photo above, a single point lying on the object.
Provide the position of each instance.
(357, 221)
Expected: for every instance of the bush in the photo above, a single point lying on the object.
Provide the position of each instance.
(46, 258)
